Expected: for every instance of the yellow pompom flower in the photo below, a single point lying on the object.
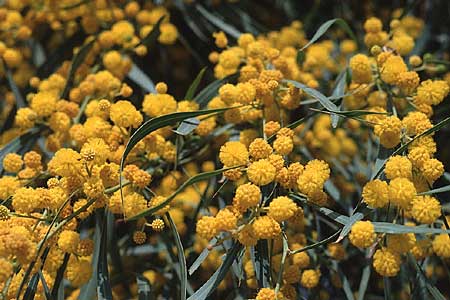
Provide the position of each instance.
(362, 234)
(282, 208)
(246, 236)
(233, 153)
(247, 195)
(246, 93)
(425, 209)
(6, 269)
(373, 25)
(301, 259)
(207, 227)
(283, 145)
(139, 237)
(66, 163)
(432, 169)
(408, 82)
(26, 200)
(8, 185)
(168, 35)
(269, 294)
(44, 103)
(416, 122)
(389, 131)
(401, 243)
(441, 245)
(12, 162)
(266, 227)
(79, 271)
(375, 193)
(310, 278)
(155, 105)
(418, 156)
(401, 192)
(432, 92)
(124, 114)
(392, 68)
(68, 241)
(261, 172)
(259, 149)
(386, 262)
(313, 177)
(361, 70)
(226, 220)
(157, 225)
(220, 39)
(398, 166)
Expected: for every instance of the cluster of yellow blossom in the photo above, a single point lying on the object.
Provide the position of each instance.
(280, 177)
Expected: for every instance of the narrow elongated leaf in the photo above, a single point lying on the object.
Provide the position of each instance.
(324, 28)
(20, 102)
(196, 264)
(330, 106)
(213, 282)
(194, 85)
(144, 288)
(30, 292)
(48, 294)
(219, 23)
(338, 91)
(59, 276)
(364, 282)
(424, 281)
(384, 227)
(437, 191)
(78, 59)
(150, 39)
(190, 181)
(141, 79)
(259, 256)
(104, 291)
(187, 126)
(212, 90)
(181, 258)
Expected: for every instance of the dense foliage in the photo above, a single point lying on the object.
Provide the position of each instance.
(224, 150)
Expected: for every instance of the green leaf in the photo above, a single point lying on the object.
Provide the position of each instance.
(141, 79)
(212, 89)
(194, 85)
(151, 38)
(30, 292)
(187, 126)
(104, 291)
(436, 191)
(47, 293)
(213, 282)
(260, 257)
(59, 276)
(20, 102)
(190, 181)
(201, 258)
(181, 258)
(330, 106)
(364, 282)
(215, 20)
(385, 227)
(324, 28)
(433, 290)
(144, 288)
(78, 59)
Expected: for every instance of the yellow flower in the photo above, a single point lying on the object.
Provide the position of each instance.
(398, 166)
(68, 241)
(282, 208)
(432, 92)
(124, 114)
(392, 68)
(432, 169)
(310, 278)
(207, 227)
(259, 149)
(226, 220)
(441, 245)
(401, 192)
(233, 154)
(361, 70)
(375, 193)
(261, 172)
(386, 262)
(247, 195)
(12, 162)
(401, 243)
(266, 228)
(155, 105)
(362, 234)
(425, 209)
(389, 130)
(373, 25)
